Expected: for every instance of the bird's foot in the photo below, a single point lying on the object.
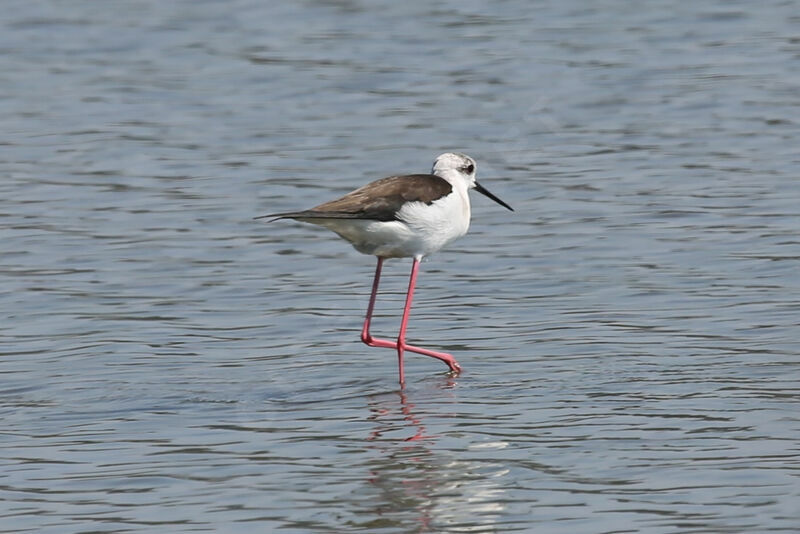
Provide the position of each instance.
(401, 345)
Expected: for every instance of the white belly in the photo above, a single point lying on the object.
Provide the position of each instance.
(422, 229)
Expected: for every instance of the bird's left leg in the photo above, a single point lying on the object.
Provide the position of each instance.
(366, 337)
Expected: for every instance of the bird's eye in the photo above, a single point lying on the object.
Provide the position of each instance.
(469, 168)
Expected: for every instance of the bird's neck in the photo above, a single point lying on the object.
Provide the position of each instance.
(455, 180)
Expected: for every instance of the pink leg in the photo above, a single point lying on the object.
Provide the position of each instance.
(401, 344)
(401, 338)
(366, 337)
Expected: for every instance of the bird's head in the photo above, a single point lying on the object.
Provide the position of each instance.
(454, 166)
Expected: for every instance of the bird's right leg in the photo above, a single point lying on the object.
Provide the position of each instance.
(401, 344)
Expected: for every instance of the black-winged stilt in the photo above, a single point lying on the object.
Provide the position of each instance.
(400, 217)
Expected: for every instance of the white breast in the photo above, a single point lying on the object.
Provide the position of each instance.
(437, 224)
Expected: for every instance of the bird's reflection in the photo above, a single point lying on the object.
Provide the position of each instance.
(385, 418)
(408, 472)
(385, 410)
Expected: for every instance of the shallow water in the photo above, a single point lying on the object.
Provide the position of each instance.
(629, 334)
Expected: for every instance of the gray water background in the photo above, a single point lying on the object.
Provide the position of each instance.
(629, 335)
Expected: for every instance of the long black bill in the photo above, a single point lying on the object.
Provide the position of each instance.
(482, 190)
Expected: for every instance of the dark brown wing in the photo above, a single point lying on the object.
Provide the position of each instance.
(379, 200)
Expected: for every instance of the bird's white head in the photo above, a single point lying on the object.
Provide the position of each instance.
(455, 168)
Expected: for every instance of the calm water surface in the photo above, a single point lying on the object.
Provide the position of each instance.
(629, 335)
